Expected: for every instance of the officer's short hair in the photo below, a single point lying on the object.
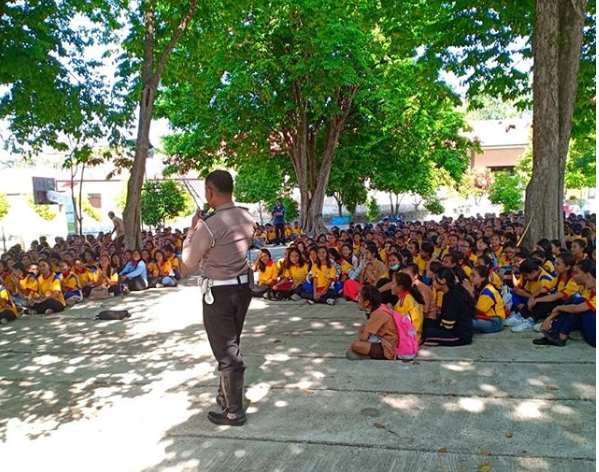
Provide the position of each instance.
(221, 181)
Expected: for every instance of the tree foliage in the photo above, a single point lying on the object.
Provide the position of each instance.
(508, 191)
(4, 205)
(305, 81)
(373, 210)
(163, 200)
(90, 211)
(67, 97)
(43, 211)
(258, 181)
(475, 183)
(349, 173)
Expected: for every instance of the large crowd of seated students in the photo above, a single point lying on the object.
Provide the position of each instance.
(48, 279)
(452, 279)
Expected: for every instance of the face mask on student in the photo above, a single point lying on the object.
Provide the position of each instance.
(394, 267)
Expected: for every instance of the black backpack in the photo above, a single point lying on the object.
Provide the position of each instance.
(113, 315)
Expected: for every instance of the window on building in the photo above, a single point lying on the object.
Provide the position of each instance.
(95, 199)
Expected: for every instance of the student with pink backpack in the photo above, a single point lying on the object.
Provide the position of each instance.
(387, 335)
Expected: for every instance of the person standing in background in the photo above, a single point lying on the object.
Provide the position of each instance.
(119, 228)
(278, 219)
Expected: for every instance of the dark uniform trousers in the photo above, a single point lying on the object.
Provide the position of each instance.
(223, 321)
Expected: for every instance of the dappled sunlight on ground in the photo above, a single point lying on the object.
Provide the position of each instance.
(133, 395)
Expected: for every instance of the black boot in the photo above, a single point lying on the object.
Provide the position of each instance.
(220, 398)
(232, 388)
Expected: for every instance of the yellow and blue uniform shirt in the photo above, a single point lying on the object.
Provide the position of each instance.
(7, 299)
(49, 285)
(490, 304)
(545, 282)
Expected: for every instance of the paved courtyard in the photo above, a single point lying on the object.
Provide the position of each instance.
(84, 395)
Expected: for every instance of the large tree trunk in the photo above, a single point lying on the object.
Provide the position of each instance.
(132, 213)
(151, 74)
(80, 209)
(557, 46)
(339, 204)
(312, 176)
(78, 216)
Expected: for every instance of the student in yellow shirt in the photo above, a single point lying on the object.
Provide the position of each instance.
(271, 235)
(267, 274)
(108, 276)
(409, 300)
(22, 283)
(90, 261)
(294, 271)
(288, 231)
(69, 284)
(495, 279)
(8, 309)
(169, 252)
(578, 249)
(322, 275)
(490, 310)
(344, 265)
(86, 277)
(6, 276)
(427, 251)
(162, 273)
(541, 306)
(579, 313)
(50, 299)
(497, 247)
(296, 231)
(534, 283)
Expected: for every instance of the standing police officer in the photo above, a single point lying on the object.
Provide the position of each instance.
(219, 243)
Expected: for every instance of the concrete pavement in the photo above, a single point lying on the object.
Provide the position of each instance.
(79, 394)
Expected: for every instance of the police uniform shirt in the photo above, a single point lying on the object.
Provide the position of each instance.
(220, 243)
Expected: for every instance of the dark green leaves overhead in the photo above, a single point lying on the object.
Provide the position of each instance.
(52, 89)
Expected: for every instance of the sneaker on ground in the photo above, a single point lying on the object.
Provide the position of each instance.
(49, 311)
(554, 338)
(311, 302)
(514, 320)
(527, 325)
(3, 320)
(330, 301)
(537, 327)
(575, 336)
(542, 342)
(354, 356)
(295, 297)
(159, 286)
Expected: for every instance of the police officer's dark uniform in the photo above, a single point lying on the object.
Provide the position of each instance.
(220, 244)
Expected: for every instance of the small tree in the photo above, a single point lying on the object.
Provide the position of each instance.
(373, 211)
(508, 191)
(43, 211)
(475, 183)
(4, 205)
(162, 200)
(257, 182)
(434, 205)
(89, 210)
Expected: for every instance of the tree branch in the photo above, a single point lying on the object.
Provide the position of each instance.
(148, 63)
(174, 40)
